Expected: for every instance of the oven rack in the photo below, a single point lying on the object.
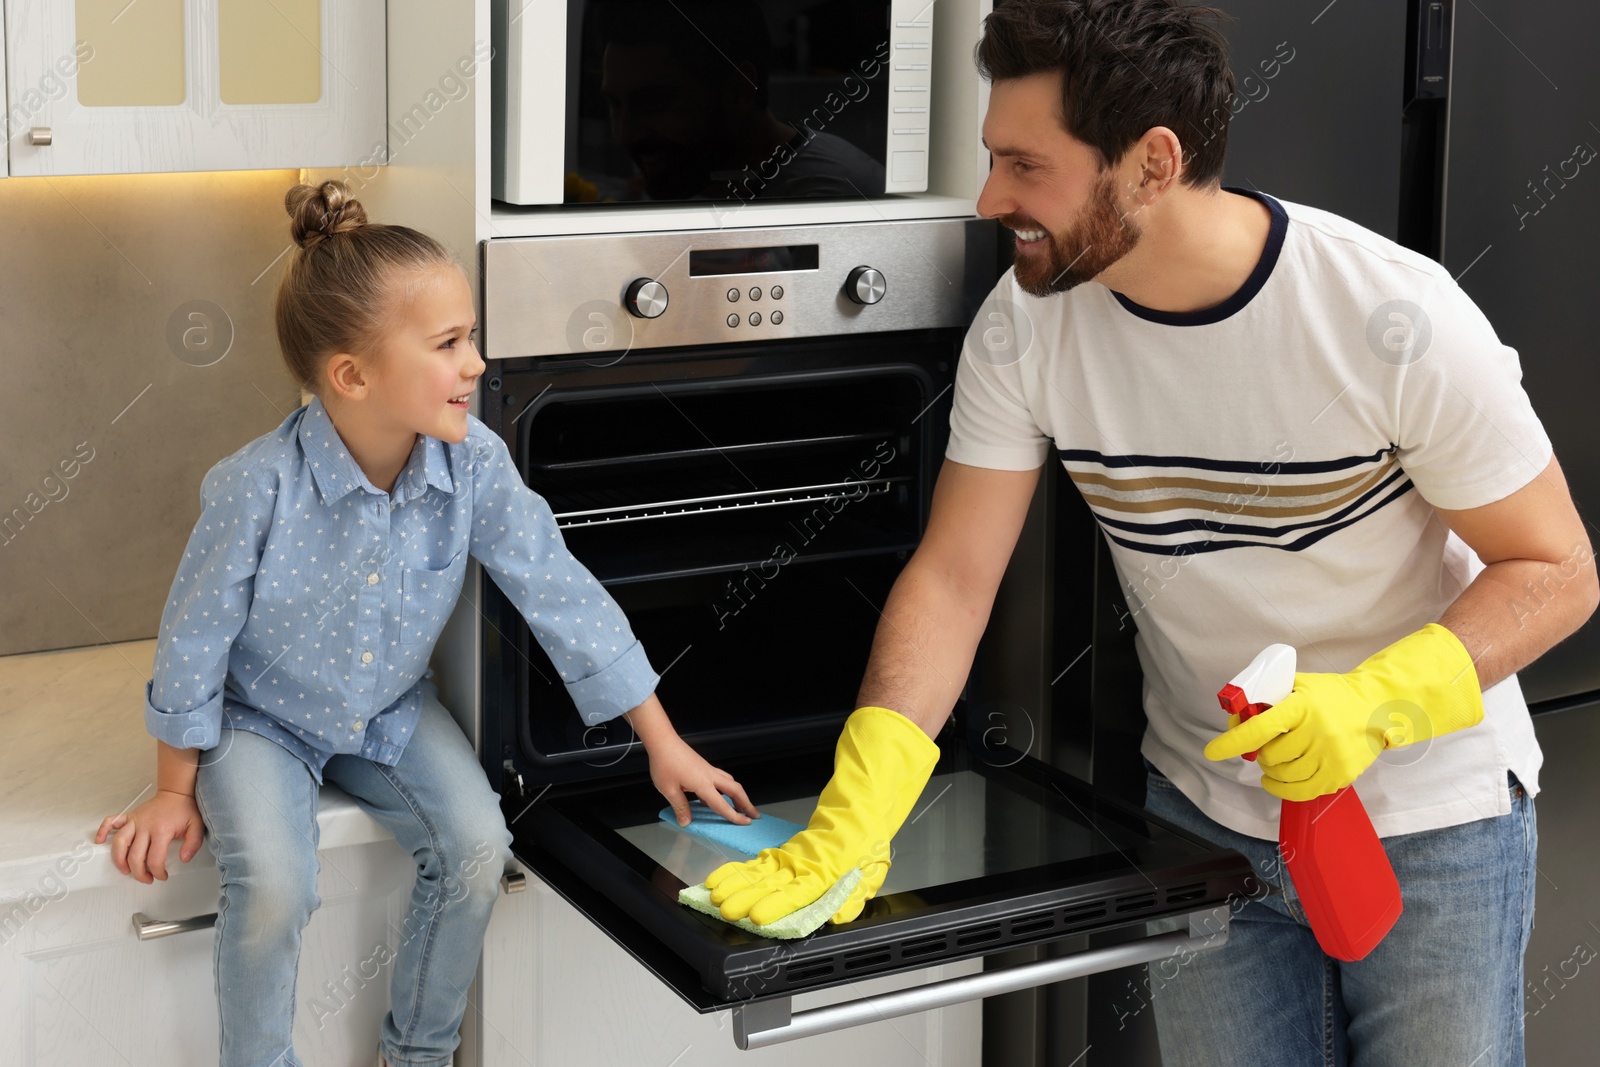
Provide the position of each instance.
(702, 505)
(782, 446)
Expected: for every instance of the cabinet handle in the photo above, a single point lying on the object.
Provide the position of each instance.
(39, 135)
(148, 929)
(770, 1022)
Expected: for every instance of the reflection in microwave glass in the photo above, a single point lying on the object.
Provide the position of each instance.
(773, 259)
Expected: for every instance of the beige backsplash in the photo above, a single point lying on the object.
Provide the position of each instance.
(105, 431)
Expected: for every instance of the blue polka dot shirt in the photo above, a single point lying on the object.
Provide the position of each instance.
(308, 600)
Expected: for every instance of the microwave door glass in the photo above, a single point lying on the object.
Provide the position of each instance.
(739, 100)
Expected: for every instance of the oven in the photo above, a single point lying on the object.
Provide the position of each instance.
(738, 432)
(731, 100)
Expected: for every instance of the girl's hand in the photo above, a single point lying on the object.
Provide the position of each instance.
(139, 839)
(675, 768)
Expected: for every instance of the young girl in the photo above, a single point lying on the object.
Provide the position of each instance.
(294, 647)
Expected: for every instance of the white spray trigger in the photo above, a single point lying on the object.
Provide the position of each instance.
(1270, 676)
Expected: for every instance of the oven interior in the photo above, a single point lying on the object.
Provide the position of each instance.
(749, 512)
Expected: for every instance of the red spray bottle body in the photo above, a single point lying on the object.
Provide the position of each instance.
(1346, 886)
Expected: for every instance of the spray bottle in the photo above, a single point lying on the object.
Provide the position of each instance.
(1347, 887)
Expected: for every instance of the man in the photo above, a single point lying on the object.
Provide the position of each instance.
(1289, 429)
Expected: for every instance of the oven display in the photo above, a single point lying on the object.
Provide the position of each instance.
(706, 262)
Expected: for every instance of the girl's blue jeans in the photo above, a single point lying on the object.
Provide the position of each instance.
(1444, 987)
(259, 803)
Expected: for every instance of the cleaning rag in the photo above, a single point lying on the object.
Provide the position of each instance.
(795, 924)
(769, 831)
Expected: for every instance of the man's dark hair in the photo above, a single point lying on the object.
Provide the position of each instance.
(1126, 66)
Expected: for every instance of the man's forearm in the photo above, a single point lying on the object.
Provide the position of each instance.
(1516, 610)
(923, 649)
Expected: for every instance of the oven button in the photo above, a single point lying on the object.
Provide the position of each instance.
(755, 318)
(733, 320)
(776, 317)
(646, 298)
(733, 296)
(776, 292)
(865, 285)
(755, 292)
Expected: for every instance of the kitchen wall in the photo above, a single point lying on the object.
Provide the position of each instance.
(139, 350)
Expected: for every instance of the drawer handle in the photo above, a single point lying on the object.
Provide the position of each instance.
(770, 1022)
(149, 929)
(40, 135)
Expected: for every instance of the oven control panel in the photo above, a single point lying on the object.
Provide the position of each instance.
(610, 293)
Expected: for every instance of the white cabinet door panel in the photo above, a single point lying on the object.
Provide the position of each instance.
(556, 990)
(156, 102)
(77, 986)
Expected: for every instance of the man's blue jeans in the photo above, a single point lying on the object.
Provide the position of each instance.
(1444, 988)
(259, 804)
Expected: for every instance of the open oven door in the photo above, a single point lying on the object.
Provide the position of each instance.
(1001, 851)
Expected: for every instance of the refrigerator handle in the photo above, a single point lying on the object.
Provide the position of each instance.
(1430, 59)
(1424, 127)
(770, 1022)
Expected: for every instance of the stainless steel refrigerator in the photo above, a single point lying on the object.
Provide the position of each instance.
(1468, 131)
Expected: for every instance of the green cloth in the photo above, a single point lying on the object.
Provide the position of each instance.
(796, 923)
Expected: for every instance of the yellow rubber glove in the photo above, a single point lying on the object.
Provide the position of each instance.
(880, 766)
(1323, 735)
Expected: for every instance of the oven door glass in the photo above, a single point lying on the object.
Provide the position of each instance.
(999, 851)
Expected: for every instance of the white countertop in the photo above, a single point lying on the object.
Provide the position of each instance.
(73, 749)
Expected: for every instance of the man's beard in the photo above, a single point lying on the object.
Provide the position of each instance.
(1100, 237)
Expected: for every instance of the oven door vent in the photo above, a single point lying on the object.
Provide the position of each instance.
(917, 947)
(1021, 929)
(855, 961)
(981, 935)
(1136, 902)
(810, 972)
(1082, 914)
(1182, 894)
(1029, 925)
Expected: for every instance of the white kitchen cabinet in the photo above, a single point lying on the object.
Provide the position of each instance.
(5, 170)
(555, 990)
(112, 87)
(78, 987)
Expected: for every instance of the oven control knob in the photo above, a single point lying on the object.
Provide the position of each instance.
(646, 298)
(865, 285)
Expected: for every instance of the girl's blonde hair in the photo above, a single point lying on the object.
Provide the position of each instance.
(340, 287)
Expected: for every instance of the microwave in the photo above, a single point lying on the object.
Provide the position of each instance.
(606, 102)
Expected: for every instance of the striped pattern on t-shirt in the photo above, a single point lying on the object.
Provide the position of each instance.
(1179, 505)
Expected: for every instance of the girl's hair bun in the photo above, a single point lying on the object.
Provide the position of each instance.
(318, 212)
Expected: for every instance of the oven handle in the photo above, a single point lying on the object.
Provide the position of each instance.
(770, 1022)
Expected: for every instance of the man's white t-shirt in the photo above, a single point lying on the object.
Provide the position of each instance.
(1266, 471)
